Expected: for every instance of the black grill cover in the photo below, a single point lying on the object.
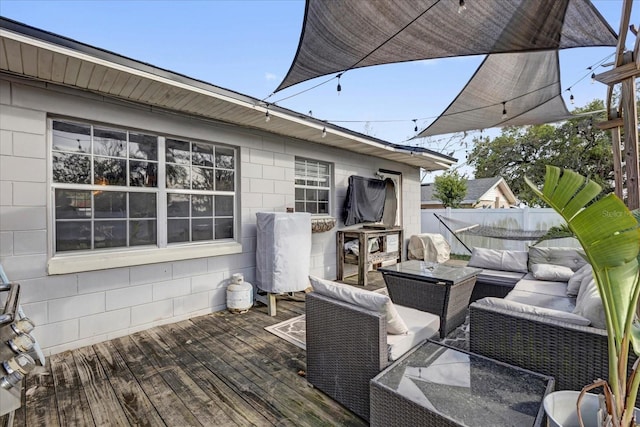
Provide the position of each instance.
(365, 200)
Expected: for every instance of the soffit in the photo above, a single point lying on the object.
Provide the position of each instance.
(51, 58)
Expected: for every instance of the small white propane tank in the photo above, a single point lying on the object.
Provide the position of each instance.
(239, 294)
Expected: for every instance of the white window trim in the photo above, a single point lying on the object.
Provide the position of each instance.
(76, 262)
(330, 188)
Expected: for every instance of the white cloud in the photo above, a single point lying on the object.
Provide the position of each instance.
(270, 76)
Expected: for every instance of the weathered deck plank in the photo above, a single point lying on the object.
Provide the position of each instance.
(218, 369)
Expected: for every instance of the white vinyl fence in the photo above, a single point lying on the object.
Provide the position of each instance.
(511, 219)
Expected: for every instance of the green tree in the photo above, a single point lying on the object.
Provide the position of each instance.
(574, 144)
(450, 188)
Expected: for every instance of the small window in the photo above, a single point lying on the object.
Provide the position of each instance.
(312, 186)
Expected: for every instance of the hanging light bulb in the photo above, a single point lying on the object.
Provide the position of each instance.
(324, 132)
(415, 121)
(339, 88)
(461, 6)
(504, 110)
(572, 99)
(593, 78)
(267, 117)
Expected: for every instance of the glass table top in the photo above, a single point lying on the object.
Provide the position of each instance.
(432, 270)
(470, 389)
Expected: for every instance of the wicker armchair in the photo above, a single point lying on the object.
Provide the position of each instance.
(346, 347)
(574, 355)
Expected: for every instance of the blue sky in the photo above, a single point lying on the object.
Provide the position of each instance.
(248, 46)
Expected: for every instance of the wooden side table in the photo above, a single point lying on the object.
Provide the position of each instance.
(390, 241)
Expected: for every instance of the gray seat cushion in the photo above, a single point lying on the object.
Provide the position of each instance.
(498, 277)
(530, 284)
(553, 302)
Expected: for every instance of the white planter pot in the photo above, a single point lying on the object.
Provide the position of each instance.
(560, 407)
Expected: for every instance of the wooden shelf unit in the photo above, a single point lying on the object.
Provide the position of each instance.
(366, 259)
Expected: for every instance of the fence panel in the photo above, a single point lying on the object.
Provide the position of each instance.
(529, 219)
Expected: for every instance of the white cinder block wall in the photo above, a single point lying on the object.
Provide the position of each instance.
(73, 310)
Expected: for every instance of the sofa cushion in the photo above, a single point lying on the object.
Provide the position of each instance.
(555, 302)
(531, 284)
(362, 298)
(530, 309)
(421, 324)
(498, 277)
(567, 257)
(551, 272)
(499, 259)
(573, 286)
(589, 303)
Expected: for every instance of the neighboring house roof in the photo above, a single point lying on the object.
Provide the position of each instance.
(476, 190)
(44, 56)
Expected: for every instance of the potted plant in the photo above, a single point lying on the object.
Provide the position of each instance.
(610, 236)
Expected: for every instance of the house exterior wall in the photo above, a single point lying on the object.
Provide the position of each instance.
(73, 310)
(488, 200)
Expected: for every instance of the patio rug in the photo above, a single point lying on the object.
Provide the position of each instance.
(293, 331)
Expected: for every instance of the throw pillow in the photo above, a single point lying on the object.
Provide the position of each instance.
(553, 273)
(589, 304)
(494, 259)
(548, 313)
(574, 282)
(362, 298)
(568, 257)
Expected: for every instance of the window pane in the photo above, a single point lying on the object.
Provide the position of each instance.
(323, 181)
(225, 158)
(73, 204)
(109, 234)
(323, 208)
(312, 195)
(142, 205)
(71, 168)
(224, 180)
(178, 205)
(202, 178)
(178, 230)
(224, 228)
(224, 205)
(143, 174)
(323, 169)
(71, 137)
(323, 195)
(73, 235)
(311, 207)
(202, 155)
(110, 204)
(144, 147)
(300, 207)
(109, 142)
(202, 206)
(299, 193)
(178, 152)
(109, 171)
(142, 232)
(178, 177)
(301, 172)
(202, 229)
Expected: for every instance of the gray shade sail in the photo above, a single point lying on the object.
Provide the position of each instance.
(527, 83)
(341, 35)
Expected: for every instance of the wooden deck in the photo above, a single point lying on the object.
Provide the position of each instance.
(221, 369)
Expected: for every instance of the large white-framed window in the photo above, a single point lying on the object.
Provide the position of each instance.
(312, 186)
(122, 189)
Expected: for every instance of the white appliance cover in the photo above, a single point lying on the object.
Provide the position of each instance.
(283, 251)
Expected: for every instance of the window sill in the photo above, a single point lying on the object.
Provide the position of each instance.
(64, 264)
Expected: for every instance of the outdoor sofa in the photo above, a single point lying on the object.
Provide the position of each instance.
(552, 324)
(352, 334)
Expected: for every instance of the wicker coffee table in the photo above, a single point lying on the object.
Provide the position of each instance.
(435, 288)
(438, 385)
